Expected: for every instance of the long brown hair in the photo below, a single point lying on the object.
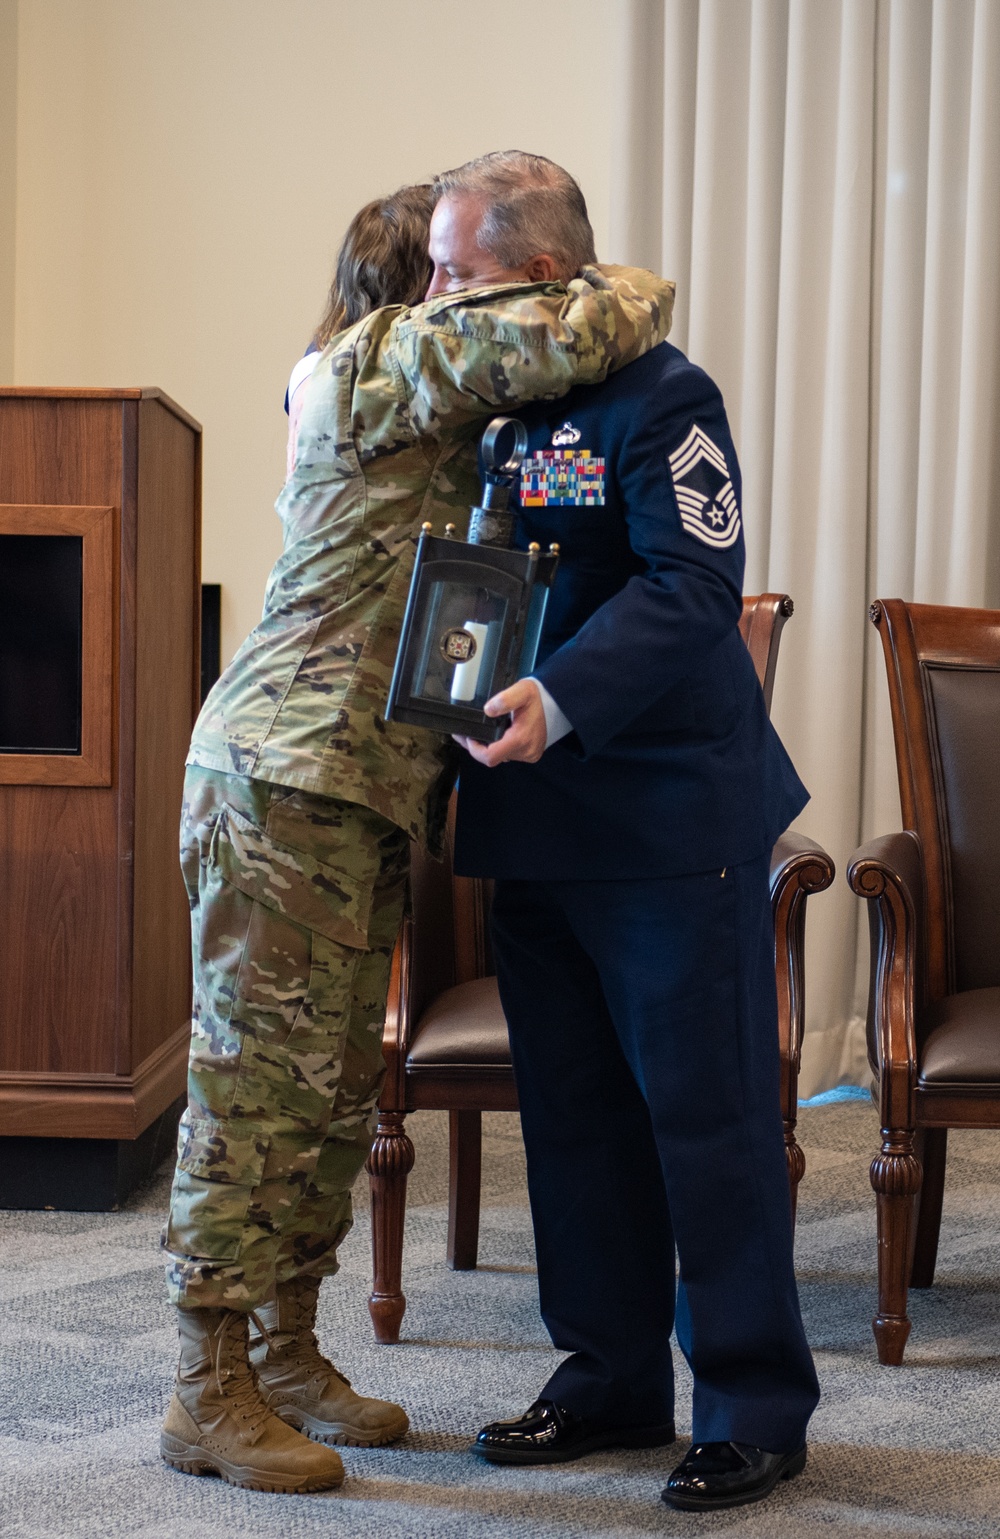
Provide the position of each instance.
(383, 259)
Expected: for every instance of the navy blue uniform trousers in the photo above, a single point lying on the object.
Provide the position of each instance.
(643, 1027)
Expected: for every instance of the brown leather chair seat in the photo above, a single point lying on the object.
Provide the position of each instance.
(962, 1044)
(463, 1028)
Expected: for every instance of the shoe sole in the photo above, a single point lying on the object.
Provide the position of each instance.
(794, 1465)
(337, 1434)
(192, 1460)
(638, 1437)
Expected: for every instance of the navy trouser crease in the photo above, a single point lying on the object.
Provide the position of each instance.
(643, 1024)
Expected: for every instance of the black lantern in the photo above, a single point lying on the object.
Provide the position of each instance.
(475, 610)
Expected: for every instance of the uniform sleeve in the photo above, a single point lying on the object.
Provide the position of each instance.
(464, 356)
(680, 484)
(557, 723)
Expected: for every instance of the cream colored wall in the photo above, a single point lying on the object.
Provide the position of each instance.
(8, 182)
(186, 168)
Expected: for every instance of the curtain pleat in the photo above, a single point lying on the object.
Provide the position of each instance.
(940, 542)
(821, 178)
(679, 48)
(765, 140)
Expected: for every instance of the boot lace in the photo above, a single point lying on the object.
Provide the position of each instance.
(237, 1378)
(305, 1354)
(304, 1350)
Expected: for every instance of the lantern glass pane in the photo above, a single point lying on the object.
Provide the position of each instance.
(537, 605)
(459, 637)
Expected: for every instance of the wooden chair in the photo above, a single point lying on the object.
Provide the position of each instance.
(934, 1000)
(445, 1038)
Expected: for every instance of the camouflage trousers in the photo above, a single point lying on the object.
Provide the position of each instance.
(296, 900)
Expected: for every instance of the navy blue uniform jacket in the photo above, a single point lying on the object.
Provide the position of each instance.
(673, 766)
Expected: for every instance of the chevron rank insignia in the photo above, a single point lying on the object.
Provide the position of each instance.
(705, 496)
(563, 476)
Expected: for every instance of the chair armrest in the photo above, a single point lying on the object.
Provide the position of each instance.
(799, 859)
(891, 857)
(799, 866)
(397, 1030)
(888, 873)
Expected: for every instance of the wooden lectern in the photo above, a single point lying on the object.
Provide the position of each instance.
(99, 682)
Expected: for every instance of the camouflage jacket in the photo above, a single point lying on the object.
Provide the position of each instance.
(387, 440)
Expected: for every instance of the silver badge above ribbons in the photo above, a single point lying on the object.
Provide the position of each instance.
(704, 491)
(567, 434)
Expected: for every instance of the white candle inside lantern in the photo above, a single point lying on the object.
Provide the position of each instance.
(466, 678)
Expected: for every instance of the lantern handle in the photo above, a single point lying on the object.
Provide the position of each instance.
(490, 446)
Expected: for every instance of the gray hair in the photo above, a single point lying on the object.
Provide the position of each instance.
(531, 206)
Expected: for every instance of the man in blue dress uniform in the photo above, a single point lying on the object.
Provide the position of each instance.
(627, 816)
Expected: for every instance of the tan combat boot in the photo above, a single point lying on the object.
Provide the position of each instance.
(218, 1423)
(303, 1387)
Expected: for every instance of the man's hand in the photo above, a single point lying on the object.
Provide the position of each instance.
(526, 736)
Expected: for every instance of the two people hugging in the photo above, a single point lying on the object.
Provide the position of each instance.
(626, 816)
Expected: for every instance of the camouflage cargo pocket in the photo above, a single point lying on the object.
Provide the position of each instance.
(218, 1167)
(313, 894)
(286, 896)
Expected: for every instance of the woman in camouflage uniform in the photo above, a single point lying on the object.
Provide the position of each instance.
(300, 802)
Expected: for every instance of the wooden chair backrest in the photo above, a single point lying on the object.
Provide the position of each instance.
(451, 913)
(761, 623)
(943, 667)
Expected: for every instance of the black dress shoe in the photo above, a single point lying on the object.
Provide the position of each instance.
(549, 1434)
(728, 1474)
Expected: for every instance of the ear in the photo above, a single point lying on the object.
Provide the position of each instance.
(541, 269)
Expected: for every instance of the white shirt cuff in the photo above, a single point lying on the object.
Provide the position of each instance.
(557, 723)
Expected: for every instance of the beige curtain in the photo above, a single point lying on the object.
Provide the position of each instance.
(822, 179)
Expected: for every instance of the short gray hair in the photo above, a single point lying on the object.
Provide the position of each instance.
(531, 206)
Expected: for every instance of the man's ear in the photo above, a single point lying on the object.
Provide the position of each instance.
(541, 269)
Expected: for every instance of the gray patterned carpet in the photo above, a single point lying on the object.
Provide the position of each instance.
(87, 1349)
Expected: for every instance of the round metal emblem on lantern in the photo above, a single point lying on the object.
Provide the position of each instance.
(458, 646)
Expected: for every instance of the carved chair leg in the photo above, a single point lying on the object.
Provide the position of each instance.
(389, 1164)
(895, 1178)
(933, 1156)
(796, 1162)
(465, 1130)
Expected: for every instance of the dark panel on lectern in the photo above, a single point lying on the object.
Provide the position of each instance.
(41, 622)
